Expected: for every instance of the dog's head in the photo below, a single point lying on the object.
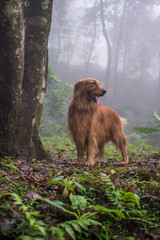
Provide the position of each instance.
(90, 88)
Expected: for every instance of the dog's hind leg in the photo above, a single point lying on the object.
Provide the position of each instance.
(100, 155)
(123, 149)
(121, 143)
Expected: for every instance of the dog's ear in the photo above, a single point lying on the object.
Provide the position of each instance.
(78, 86)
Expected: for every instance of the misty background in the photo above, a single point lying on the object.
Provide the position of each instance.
(115, 41)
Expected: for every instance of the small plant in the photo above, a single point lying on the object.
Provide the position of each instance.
(155, 122)
(82, 220)
(34, 227)
(152, 128)
(69, 184)
(79, 204)
(7, 163)
(121, 204)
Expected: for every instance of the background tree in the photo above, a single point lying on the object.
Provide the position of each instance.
(132, 28)
(24, 27)
(56, 104)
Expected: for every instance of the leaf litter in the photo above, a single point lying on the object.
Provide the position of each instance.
(30, 179)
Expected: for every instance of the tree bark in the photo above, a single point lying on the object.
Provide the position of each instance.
(11, 73)
(22, 88)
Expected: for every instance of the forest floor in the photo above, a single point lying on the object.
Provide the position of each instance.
(59, 199)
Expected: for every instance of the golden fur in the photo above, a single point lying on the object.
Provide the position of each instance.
(91, 125)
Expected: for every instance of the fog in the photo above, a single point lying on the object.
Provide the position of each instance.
(115, 41)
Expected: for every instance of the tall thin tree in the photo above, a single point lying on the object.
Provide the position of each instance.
(109, 48)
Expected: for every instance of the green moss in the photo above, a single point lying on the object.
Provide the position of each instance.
(11, 13)
(39, 21)
(45, 4)
(34, 46)
(150, 185)
(143, 174)
(7, 163)
(44, 20)
(38, 117)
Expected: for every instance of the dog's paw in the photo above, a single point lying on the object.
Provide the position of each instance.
(123, 163)
(89, 163)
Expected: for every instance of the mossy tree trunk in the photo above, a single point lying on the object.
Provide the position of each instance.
(24, 31)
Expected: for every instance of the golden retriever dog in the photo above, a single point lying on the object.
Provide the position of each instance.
(93, 125)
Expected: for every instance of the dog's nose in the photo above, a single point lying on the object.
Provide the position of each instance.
(104, 91)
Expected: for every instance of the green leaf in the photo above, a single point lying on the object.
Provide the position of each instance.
(131, 197)
(59, 204)
(75, 225)
(56, 203)
(81, 176)
(69, 230)
(146, 130)
(31, 221)
(56, 180)
(156, 116)
(65, 192)
(105, 210)
(23, 208)
(92, 222)
(88, 214)
(17, 199)
(110, 211)
(98, 207)
(80, 186)
(58, 232)
(68, 184)
(42, 229)
(25, 237)
(34, 213)
(78, 200)
(117, 212)
(83, 224)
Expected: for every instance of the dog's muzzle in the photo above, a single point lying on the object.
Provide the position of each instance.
(103, 92)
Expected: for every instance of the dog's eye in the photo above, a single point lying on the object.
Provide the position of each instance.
(93, 83)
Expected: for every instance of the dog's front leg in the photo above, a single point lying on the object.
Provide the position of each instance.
(79, 156)
(92, 150)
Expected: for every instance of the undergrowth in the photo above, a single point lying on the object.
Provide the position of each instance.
(55, 200)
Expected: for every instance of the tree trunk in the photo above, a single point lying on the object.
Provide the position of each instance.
(109, 49)
(22, 90)
(11, 73)
(158, 89)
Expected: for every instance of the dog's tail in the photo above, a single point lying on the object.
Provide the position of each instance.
(124, 122)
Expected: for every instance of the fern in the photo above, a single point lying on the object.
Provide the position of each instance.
(30, 216)
(73, 226)
(57, 232)
(110, 212)
(155, 125)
